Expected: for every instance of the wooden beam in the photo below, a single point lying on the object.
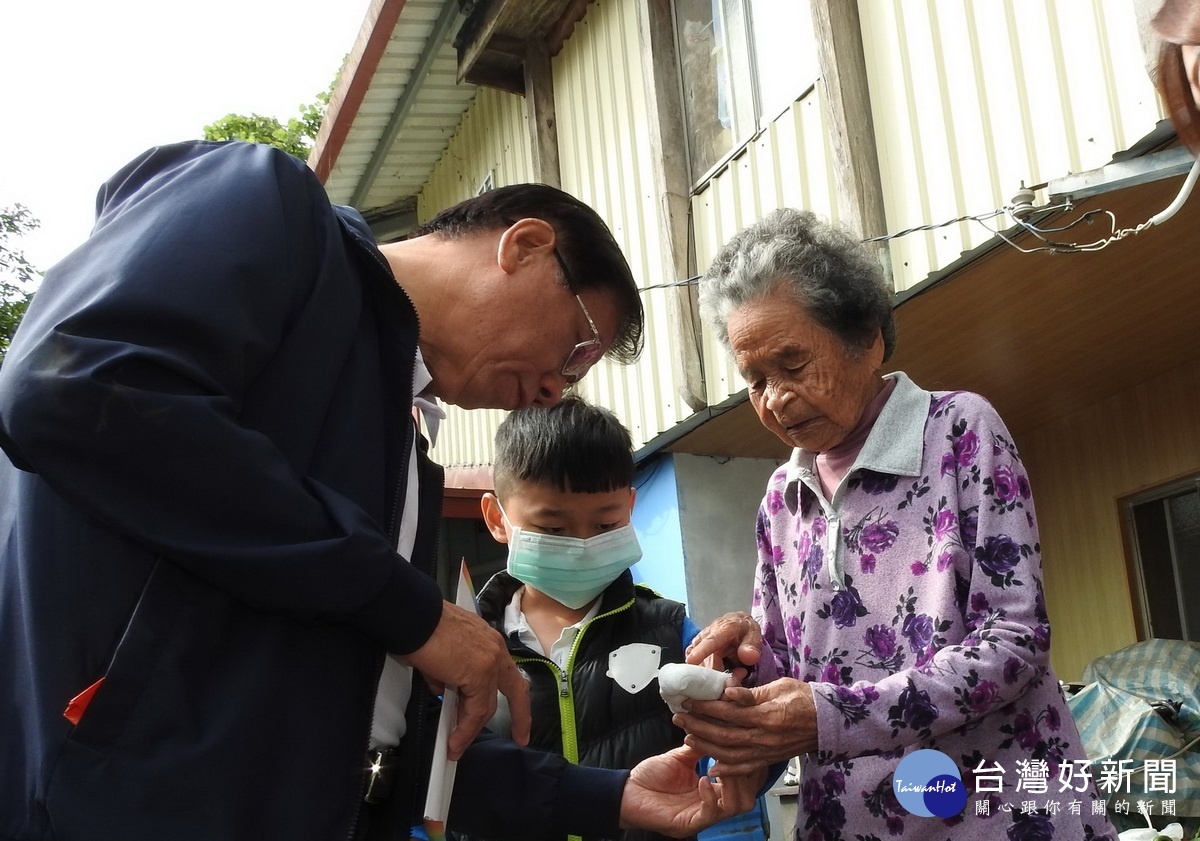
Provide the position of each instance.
(507, 45)
(672, 187)
(477, 32)
(539, 106)
(489, 76)
(847, 99)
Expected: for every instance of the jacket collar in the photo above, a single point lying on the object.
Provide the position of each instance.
(498, 592)
(895, 445)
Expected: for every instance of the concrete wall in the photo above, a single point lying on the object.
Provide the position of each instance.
(718, 503)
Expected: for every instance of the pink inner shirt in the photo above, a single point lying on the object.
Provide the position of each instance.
(833, 464)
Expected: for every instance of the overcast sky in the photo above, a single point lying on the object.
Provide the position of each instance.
(89, 84)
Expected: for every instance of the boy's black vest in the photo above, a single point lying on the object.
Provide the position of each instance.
(613, 728)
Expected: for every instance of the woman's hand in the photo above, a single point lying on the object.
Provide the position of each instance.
(748, 727)
(733, 639)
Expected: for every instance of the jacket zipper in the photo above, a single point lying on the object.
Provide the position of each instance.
(393, 533)
(566, 693)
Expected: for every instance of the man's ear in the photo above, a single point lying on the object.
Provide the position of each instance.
(492, 517)
(523, 241)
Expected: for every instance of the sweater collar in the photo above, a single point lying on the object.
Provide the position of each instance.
(895, 445)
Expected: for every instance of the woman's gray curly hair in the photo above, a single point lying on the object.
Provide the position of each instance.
(828, 271)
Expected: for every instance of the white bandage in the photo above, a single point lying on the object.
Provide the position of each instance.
(679, 681)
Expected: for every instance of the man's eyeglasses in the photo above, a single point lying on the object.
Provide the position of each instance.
(585, 354)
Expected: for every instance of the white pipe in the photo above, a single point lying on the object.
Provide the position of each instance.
(1184, 192)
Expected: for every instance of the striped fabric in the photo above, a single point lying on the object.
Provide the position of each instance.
(1139, 707)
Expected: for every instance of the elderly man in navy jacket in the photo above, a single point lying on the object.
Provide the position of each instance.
(218, 522)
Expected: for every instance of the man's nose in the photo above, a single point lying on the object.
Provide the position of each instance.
(551, 389)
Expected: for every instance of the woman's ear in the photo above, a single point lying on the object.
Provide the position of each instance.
(493, 517)
(875, 351)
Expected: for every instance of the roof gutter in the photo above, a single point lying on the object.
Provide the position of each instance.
(433, 45)
(353, 83)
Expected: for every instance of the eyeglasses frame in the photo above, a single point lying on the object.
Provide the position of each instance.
(573, 370)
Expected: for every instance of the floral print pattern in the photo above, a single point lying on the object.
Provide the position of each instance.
(932, 632)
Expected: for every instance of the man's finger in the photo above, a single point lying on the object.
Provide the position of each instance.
(474, 711)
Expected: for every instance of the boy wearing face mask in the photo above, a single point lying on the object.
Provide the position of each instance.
(587, 638)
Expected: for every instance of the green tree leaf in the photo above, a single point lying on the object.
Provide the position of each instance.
(296, 137)
(18, 277)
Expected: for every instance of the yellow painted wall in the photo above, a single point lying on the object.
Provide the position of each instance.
(1079, 468)
(492, 139)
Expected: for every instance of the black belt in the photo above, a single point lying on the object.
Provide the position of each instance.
(380, 771)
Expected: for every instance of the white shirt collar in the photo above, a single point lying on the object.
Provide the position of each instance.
(560, 651)
(431, 412)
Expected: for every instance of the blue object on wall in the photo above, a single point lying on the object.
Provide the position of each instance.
(656, 521)
(748, 826)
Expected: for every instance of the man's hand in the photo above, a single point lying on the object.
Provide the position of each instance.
(664, 795)
(467, 653)
(748, 727)
(733, 639)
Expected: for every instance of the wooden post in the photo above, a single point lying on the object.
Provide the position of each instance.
(847, 99)
(539, 106)
(672, 187)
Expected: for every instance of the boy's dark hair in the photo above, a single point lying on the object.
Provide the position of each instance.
(574, 446)
(586, 245)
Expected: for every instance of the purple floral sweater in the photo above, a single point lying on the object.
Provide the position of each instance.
(912, 602)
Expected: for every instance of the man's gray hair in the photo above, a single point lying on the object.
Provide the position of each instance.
(826, 269)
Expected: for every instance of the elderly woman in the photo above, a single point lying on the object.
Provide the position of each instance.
(898, 586)
(1178, 76)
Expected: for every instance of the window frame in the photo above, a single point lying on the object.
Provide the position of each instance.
(1135, 566)
(761, 121)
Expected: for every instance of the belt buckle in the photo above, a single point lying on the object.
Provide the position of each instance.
(380, 772)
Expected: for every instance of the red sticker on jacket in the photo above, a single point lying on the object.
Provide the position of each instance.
(79, 703)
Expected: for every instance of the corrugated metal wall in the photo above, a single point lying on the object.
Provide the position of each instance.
(788, 165)
(605, 159)
(972, 98)
(492, 140)
(969, 100)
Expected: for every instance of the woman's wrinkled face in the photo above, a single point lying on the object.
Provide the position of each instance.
(1191, 65)
(805, 384)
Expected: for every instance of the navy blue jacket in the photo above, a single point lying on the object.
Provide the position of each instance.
(205, 421)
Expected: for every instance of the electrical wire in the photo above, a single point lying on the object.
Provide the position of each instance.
(1020, 216)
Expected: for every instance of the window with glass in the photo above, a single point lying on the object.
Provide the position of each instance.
(1164, 526)
(742, 63)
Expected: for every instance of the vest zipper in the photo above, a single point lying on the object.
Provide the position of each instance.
(566, 694)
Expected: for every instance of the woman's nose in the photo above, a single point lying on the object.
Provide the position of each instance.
(777, 397)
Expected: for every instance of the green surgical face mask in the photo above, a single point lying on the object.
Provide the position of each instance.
(571, 570)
